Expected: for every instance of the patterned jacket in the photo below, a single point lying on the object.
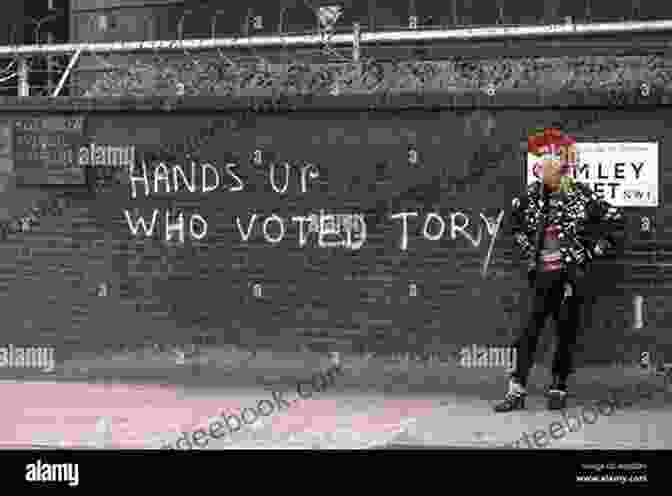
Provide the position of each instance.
(589, 226)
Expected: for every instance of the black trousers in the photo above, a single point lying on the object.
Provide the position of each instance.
(548, 298)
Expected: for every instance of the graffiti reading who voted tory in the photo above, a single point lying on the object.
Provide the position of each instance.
(331, 229)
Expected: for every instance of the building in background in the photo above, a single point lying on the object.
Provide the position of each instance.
(11, 22)
(122, 20)
(134, 20)
(44, 21)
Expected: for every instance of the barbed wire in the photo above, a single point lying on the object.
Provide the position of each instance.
(9, 66)
(7, 78)
(232, 62)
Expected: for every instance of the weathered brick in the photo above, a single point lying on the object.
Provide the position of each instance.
(355, 298)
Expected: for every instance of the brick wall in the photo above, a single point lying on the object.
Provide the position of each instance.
(469, 162)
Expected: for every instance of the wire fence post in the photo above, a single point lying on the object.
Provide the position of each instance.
(24, 85)
(73, 60)
(355, 42)
(50, 65)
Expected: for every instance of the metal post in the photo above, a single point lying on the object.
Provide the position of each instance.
(636, 12)
(355, 42)
(68, 70)
(551, 11)
(638, 303)
(372, 15)
(281, 21)
(248, 20)
(213, 27)
(180, 24)
(50, 65)
(588, 13)
(24, 84)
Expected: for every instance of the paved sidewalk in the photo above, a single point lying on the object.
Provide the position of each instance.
(133, 401)
(464, 422)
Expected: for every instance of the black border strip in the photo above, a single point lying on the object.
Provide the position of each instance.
(475, 468)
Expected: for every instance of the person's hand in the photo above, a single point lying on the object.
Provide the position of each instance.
(569, 291)
(599, 249)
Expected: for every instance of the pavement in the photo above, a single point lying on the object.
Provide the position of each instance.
(146, 398)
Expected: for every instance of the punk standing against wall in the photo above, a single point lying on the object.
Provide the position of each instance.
(559, 226)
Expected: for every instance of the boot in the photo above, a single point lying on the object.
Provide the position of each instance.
(514, 399)
(557, 394)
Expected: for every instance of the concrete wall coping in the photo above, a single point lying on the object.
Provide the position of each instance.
(386, 101)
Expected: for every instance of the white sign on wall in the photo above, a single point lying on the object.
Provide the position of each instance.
(625, 174)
